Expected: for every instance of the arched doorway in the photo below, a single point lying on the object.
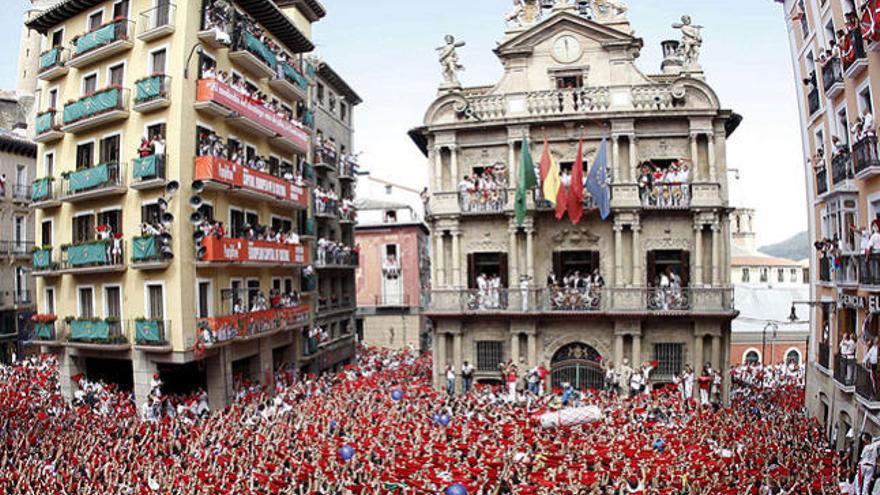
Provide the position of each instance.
(579, 365)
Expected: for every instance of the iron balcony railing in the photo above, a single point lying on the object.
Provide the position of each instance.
(326, 156)
(666, 196)
(613, 300)
(16, 247)
(44, 189)
(844, 370)
(867, 383)
(46, 122)
(147, 168)
(484, 201)
(22, 297)
(95, 39)
(825, 269)
(91, 179)
(857, 50)
(102, 331)
(869, 270)
(151, 88)
(93, 254)
(151, 331)
(841, 167)
(821, 181)
(44, 331)
(157, 18)
(21, 192)
(832, 73)
(865, 154)
(52, 58)
(95, 104)
(824, 355)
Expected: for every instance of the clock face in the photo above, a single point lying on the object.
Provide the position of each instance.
(567, 49)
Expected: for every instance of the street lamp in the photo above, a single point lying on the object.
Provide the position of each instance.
(775, 329)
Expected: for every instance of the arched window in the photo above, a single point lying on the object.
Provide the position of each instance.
(793, 356)
(752, 357)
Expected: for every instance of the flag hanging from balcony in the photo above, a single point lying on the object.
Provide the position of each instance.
(576, 189)
(550, 184)
(597, 181)
(527, 180)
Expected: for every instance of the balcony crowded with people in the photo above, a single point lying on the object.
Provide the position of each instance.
(484, 191)
(212, 145)
(665, 183)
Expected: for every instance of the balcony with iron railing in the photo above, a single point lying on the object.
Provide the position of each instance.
(101, 256)
(22, 297)
(44, 330)
(813, 101)
(157, 22)
(841, 168)
(825, 269)
(47, 128)
(348, 169)
(326, 158)
(44, 262)
(821, 181)
(866, 160)
(855, 60)
(152, 334)
(107, 40)
(824, 357)
(342, 259)
(97, 109)
(151, 252)
(252, 55)
(53, 64)
(326, 208)
(333, 305)
(148, 172)
(247, 325)
(243, 112)
(220, 174)
(99, 181)
(847, 274)
(152, 93)
(45, 193)
(107, 334)
(290, 83)
(711, 301)
(868, 386)
(666, 196)
(21, 193)
(845, 372)
(483, 202)
(832, 77)
(16, 248)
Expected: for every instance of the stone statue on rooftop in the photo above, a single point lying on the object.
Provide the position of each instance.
(610, 9)
(449, 62)
(524, 13)
(691, 41)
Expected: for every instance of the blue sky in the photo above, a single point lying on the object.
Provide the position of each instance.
(385, 50)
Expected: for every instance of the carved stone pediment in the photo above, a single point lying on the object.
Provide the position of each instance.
(487, 244)
(576, 237)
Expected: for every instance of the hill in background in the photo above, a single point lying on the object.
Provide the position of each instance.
(795, 248)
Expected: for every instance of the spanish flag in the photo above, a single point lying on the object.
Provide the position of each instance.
(550, 183)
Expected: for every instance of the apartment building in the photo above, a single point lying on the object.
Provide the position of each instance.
(173, 197)
(505, 290)
(836, 66)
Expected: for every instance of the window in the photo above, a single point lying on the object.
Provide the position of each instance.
(109, 150)
(794, 275)
(90, 84)
(155, 302)
(151, 214)
(18, 233)
(95, 20)
(842, 126)
(58, 38)
(765, 275)
(52, 98)
(331, 102)
(46, 233)
(113, 302)
(49, 301)
(49, 165)
(487, 264)
(120, 9)
(204, 294)
(86, 302)
(838, 219)
(864, 100)
(207, 212)
(116, 75)
(566, 263)
(805, 23)
(389, 190)
(321, 93)
(85, 155)
(668, 262)
(746, 275)
(780, 275)
(206, 63)
(83, 228)
(281, 224)
(752, 357)
(570, 82)
(157, 62)
(253, 290)
(489, 355)
(793, 357)
(112, 218)
(343, 111)
(670, 359)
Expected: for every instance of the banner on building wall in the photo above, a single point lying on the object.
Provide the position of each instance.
(212, 168)
(244, 251)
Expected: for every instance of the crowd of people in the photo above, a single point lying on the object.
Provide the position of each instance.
(379, 427)
(336, 253)
(489, 294)
(667, 187)
(327, 153)
(217, 229)
(244, 303)
(483, 191)
(667, 292)
(576, 291)
(113, 243)
(210, 144)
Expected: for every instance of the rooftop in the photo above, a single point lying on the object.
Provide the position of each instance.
(12, 142)
(329, 75)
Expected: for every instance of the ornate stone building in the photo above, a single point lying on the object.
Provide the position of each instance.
(570, 74)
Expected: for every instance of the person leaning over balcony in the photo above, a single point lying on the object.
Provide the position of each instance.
(848, 351)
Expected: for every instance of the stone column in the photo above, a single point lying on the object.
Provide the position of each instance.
(513, 252)
(453, 164)
(713, 172)
(514, 347)
(440, 359)
(532, 348)
(440, 260)
(219, 375)
(530, 253)
(716, 254)
(618, 255)
(637, 350)
(698, 353)
(698, 254)
(457, 358)
(638, 258)
(266, 364)
(438, 168)
(633, 158)
(716, 352)
(695, 158)
(456, 259)
(618, 349)
(144, 369)
(512, 166)
(615, 159)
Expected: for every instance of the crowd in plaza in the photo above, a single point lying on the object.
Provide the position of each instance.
(666, 187)
(483, 191)
(379, 427)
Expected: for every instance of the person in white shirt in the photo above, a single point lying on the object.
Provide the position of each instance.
(848, 351)
(450, 380)
(868, 124)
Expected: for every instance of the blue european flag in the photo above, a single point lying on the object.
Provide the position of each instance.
(597, 181)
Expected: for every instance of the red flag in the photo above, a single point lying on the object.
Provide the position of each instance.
(561, 202)
(576, 190)
(545, 161)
